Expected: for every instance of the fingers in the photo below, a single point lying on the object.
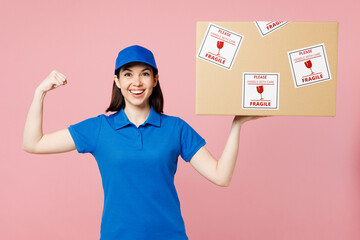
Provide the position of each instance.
(250, 116)
(243, 119)
(53, 80)
(59, 79)
(256, 117)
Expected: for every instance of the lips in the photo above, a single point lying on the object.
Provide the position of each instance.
(137, 91)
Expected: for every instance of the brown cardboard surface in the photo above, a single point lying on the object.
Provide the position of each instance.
(219, 90)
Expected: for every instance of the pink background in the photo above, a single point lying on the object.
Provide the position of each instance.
(304, 183)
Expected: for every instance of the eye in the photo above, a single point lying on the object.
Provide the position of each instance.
(146, 74)
(127, 74)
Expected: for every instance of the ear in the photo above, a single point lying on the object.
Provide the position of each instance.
(156, 80)
(117, 81)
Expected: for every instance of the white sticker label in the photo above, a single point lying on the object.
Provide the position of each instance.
(261, 91)
(266, 27)
(220, 46)
(309, 65)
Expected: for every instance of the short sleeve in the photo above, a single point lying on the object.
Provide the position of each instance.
(190, 140)
(85, 134)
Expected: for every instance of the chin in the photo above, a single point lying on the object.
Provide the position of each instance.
(138, 104)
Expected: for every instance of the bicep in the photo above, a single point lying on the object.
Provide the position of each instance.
(205, 164)
(55, 142)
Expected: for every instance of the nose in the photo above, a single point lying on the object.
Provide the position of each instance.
(137, 81)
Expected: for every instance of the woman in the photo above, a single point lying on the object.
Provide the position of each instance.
(136, 149)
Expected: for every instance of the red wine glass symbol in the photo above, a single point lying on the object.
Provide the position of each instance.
(308, 64)
(260, 89)
(220, 45)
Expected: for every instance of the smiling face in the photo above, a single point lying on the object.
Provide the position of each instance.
(136, 82)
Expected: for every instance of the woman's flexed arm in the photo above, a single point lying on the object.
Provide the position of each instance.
(33, 139)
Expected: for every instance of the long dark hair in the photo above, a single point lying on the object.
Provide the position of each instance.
(117, 103)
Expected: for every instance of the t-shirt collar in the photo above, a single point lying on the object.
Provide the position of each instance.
(121, 120)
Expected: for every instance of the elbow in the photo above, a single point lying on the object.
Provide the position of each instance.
(224, 183)
(25, 145)
(223, 180)
(27, 148)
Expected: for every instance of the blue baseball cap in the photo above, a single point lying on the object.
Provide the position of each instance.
(135, 53)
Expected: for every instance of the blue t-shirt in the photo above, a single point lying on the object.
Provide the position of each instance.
(137, 167)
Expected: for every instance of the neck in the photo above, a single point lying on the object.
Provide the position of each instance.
(137, 115)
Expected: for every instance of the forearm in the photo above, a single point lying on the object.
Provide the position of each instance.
(33, 125)
(226, 163)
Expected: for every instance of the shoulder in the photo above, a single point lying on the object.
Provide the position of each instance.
(85, 133)
(97, 118)
(100, 117)
(175, 120)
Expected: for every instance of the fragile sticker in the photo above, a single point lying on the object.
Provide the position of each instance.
(309, 65)
(266, 27)
(220, 46)
(261, 91)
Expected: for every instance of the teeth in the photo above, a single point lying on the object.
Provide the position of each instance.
(136, 92)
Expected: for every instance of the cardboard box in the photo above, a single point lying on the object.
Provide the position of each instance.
(266, 68)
